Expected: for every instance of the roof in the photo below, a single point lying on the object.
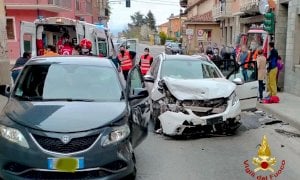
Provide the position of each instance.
(164, 24)
(80, 60)
(206, 17)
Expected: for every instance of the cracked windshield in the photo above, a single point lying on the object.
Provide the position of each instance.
(149, 89)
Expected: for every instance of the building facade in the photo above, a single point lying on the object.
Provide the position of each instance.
(29, 10)
(200, 27)
(163, 28)
(286, 41)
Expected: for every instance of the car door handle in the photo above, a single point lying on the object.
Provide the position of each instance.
(254, 87)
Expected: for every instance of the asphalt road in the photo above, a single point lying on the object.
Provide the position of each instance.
(219, 158)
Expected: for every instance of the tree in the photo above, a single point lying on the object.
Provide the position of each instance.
(163, 38)
(138, 19)
(4, 62)
(151, 20)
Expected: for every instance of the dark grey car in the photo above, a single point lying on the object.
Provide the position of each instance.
(173, 48)
(73, 118)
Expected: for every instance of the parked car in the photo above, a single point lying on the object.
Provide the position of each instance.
(190, 95)
(173, 48)
(72, 112)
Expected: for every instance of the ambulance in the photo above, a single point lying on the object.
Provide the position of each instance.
(36, 36)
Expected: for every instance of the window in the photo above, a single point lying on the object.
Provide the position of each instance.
(77, 4)
(247, 72)
(102, 48)
(135, 80)
(10, 28)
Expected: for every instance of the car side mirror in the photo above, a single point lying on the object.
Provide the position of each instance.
(5, 90)
(139, 93)
(238, 81)
(149, 78)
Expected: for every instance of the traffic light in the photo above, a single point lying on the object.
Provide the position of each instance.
(269, 22)
(127, 3)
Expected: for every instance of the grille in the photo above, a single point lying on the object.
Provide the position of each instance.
(207, 103)
(56, 145)
(62, 175)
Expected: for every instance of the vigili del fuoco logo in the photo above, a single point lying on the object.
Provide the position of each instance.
(264, 164)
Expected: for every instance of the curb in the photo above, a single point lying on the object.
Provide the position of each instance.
(284, 117)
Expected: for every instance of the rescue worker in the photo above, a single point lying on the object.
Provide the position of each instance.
(86, 47)
(60, 44)
(67, 49)
(125, 58)
(146, 61)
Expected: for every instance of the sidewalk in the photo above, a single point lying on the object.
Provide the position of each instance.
(288, 109)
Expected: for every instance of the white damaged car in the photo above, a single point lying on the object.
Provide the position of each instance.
(190, 95)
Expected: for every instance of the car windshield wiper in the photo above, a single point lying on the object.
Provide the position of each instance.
(69, 99)
(29, 98)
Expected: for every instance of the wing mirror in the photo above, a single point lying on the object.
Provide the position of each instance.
(5, 90)
(238, 81)
(139, 93)
(149, 78)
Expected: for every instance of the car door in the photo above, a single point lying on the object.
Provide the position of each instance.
(248, 90)
(140, 107)
(28, 38)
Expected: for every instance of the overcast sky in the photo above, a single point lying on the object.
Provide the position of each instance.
(162, 9)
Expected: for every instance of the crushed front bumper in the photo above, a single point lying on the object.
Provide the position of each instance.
(179, 123)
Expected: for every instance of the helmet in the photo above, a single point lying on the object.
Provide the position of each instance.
(85, 44)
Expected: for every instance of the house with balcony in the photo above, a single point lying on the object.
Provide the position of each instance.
(29, 10)
(200, 28)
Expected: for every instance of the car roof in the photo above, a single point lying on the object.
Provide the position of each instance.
(185, 57)
(80, 60)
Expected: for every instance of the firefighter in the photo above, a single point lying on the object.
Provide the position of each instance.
(125, 58)
(146, 61)
(86, 47)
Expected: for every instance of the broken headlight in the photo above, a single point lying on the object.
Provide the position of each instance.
(233, 97)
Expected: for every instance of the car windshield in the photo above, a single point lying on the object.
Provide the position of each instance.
(175, 45)
(189, 69)
(68, 82)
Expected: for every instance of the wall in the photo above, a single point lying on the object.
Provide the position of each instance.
(292, 64)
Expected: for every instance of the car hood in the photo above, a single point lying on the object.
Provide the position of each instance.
(64, 116)
(199, 89)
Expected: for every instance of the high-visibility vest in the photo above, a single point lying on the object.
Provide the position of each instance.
(145, 64)
(247, 60)
(126, 61)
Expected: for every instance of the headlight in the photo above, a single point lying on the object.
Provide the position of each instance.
(234, 98)
(13, 135)
(117, 134)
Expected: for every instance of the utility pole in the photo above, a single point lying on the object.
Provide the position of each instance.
(4, 62)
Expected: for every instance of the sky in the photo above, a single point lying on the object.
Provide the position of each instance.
(120, 17)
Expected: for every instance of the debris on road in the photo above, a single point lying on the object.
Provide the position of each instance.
(287, 133)
(273, 122)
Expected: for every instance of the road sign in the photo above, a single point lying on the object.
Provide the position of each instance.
(190, 37)
(189, 32)
(200, 32)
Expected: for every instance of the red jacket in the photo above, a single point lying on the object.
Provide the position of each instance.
(67, 50)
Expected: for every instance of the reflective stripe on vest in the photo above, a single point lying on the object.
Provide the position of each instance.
(126, 62)
(145, 64)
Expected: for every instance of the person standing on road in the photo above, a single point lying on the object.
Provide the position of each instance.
(20, 64)
(244, 57)
(146, 61)
(125, 58)
(261, 65)
(272, 70)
